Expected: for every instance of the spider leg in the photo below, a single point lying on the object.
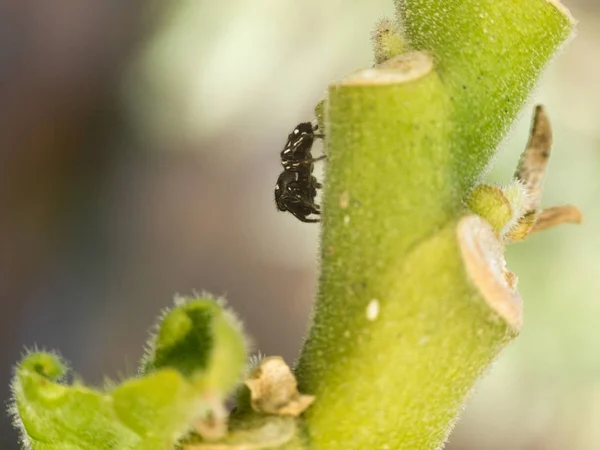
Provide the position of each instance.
(297, 200)
(297, 203)
(303, 162)
(306, 162)
(304, 218)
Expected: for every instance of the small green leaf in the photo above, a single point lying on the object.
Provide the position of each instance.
(203, 342)
(159, 407)
(54, 416)
(388, 41)
(491, 203)
(198, 356)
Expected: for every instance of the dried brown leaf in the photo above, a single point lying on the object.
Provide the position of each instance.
(532, 164)
(273, 389)
(550, 217)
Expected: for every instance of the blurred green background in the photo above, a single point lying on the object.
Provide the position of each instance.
(139, 147)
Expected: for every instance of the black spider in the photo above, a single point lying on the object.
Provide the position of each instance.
(296, 187)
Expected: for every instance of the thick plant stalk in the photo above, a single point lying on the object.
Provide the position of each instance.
(414, 300)
(490, 53)
(400, 335)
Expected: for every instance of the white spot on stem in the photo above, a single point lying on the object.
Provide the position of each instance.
(373, 310)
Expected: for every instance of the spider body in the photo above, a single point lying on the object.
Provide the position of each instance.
(296, 186)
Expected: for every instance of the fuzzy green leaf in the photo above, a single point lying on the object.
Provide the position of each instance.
(388, 41)
(55, 416)
(199, 355)
(201, 340)
(159, 407)
(492, 204)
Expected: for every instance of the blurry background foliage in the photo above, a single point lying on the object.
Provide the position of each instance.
(138, 152)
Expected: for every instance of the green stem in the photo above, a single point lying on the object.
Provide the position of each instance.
(414, 301)
(399, 335)
(490, 54)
